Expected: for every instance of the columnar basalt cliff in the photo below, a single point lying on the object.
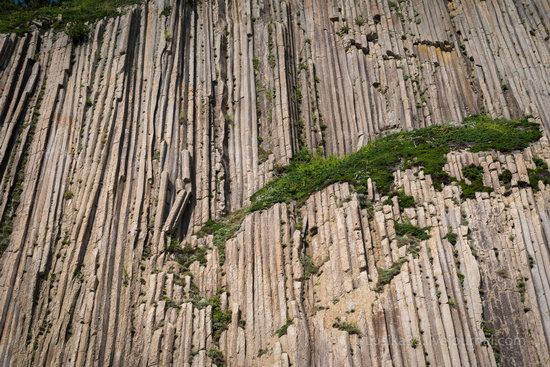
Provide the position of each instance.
(115, 152)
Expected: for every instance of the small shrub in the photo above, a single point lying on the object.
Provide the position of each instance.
(452, 238)
(414, 343)
(344, 30)
(531, 261)
(461, 278)
(520, 285)
(349, 327)
(68, 195)
(360, 21)
(540, 173)
(409, 230)
(283, 329)
(505, 177)
(386, 275)
(216, 356)
(166, 11)
(308, 265)
(475, 175)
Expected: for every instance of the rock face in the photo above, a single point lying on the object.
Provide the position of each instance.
(115, 150)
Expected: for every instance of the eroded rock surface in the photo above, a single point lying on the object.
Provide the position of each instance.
(176, 112)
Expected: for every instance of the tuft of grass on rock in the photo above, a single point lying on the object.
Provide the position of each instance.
(347, 326)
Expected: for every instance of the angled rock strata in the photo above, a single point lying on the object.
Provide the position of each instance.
(115, 152)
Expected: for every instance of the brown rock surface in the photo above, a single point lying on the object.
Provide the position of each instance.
(116, 150)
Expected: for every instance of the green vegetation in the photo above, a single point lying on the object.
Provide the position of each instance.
(309, 267)
(386, 275)
(540, 173)
(505, 177)
(349, 327)
(426, 147)
(308, 173)
(283, 329)
(187, 255)
(520, 285)
(220, 318)
(475, 175)
(410, 236)
(489, 335)
(452, 238)
(409, 230)
(414, 343)
(216, 356)
(223, 229)
(68, 195)
(404, 200)
(70, 16)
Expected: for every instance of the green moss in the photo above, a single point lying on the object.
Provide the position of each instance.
(70, 16)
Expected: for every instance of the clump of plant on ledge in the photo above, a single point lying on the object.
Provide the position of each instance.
(540, 173)
(349, 327)
(475, 175)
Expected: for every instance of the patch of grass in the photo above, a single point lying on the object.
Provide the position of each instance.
(425, 147)
(187, 255)
(520, 285)
(386, 275)
(70, 16)
(68, 195)
(540, 173)
(220, 318)
(409, 230)
(309, 267)
(283, 329)
(308, 173)
(475, 175)
(404, 200)
(452, 238)
(223, 229)
(349, 327)
(216, 356)
(505, 177)
(489, 334)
